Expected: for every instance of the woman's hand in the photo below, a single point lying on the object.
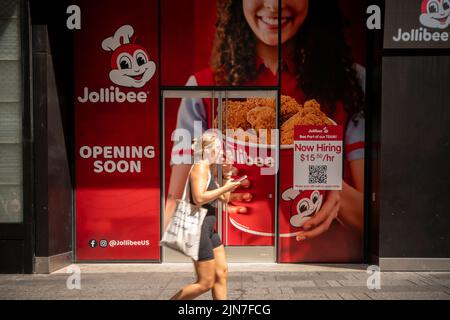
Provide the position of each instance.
(231, 185)
(351, 213)
(321, 222)
(237, 197)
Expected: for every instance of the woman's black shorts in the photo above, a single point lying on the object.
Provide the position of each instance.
(209, 239)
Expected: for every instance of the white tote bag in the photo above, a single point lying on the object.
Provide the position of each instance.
(184, 230)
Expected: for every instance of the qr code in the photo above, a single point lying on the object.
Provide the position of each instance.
(318, 174)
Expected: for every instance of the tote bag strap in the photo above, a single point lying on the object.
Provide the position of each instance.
(186, 186)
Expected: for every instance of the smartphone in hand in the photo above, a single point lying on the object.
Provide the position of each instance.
(241, 179)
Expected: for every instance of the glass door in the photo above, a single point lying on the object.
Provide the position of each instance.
(186, 115)
(246, 121)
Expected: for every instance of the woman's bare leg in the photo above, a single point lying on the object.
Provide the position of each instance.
(219, 290)
(205, 281)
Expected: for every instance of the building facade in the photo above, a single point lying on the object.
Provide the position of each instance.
(99, 103)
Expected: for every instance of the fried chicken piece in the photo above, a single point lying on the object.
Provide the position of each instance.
(247, 118)
(235, 115)
(310, 114)
(289, 106)
(262, 120)
(242, 136)
(311, 104)
(262, 102)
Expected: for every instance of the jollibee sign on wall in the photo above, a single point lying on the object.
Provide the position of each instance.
(117, 151)
(417, 24)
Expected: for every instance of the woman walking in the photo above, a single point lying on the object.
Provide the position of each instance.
(211, 267)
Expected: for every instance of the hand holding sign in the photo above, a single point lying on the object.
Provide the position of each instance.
(321, 222)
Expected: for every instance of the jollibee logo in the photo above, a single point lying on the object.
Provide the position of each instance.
(130, 62)
(435, 13)
(302, 208)
(131, 67)
(240, 156)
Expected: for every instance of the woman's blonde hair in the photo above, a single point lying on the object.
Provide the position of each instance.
(204, 142)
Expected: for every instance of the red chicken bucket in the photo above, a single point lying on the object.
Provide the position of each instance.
(257, 226)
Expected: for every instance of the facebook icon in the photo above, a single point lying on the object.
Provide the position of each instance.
(92, 243)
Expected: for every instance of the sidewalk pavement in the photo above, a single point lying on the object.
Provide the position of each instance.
(246, 282)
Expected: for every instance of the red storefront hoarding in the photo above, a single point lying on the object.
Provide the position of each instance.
(117, 144)
(117, 124)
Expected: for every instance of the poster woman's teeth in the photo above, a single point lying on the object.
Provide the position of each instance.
(273, 21)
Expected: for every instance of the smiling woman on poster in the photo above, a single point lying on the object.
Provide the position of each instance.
(316, 64)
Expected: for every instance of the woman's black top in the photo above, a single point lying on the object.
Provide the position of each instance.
(210, 206)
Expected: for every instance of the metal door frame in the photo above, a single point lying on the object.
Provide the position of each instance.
(245, 254)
